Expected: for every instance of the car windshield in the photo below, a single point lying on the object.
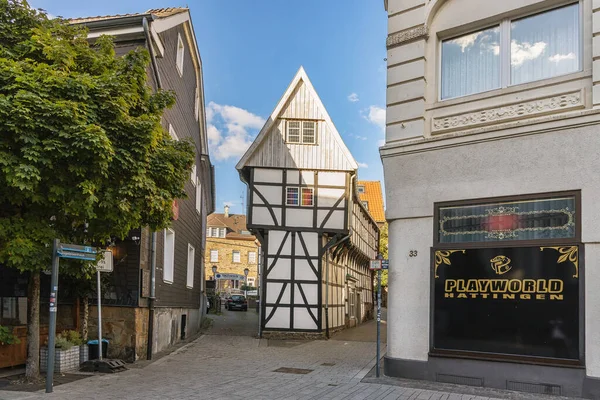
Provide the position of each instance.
(237, 298)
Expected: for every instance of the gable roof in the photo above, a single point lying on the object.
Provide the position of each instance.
(374, 197)
(234, 222)
(155, 12)
(301, 78)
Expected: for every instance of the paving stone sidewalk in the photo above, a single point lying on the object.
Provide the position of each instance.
(239, 367)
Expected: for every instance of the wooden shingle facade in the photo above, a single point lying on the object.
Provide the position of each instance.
(316, 237)
(173, 308)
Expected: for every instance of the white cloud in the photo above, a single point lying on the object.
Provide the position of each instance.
(466, 41)
(353, 97)
(233, 138)
(363, 165)
(381, 143)
(561, 57)
(521, 52)
(375, 115)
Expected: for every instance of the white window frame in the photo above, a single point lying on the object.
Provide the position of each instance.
(197, 103)
(190, 266)
(208, 232)
(173, 133)
(169, 256)
(301, 131)
(287, 203)
(251, 257)
(361, 189)
(222, 232)
(365, 204)
(193, 175)
(198, 196)
(215, 233)
(312, 196)
(180, 55)
(233, 256)
(505, 50)
(214, 256)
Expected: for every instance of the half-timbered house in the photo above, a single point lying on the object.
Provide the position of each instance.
(317, 237)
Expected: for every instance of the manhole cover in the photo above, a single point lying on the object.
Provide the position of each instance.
(298, 371)
(328, 364)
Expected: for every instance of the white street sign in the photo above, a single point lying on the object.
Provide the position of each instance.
(375, 265)
(106, 263)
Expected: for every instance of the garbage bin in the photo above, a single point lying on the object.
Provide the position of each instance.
(93, 345)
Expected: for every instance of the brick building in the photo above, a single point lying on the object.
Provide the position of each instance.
(231, 248)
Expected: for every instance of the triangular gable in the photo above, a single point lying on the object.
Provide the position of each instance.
(284, 155)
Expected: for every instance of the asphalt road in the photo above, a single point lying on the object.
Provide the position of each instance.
(234, 323)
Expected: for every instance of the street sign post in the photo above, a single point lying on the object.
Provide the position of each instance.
(385, 264)
(377, 265)
(104, 265)
(61, 250)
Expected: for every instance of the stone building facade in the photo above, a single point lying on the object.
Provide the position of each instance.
(491, 165)
(232, 249)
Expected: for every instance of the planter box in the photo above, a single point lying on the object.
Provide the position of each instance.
(64, 360)
(84, 353)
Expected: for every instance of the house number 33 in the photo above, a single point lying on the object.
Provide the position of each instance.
(412, 253)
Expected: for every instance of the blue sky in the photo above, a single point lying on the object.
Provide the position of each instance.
(251, 50)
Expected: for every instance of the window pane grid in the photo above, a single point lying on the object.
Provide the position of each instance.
(307, 196)
(308, 132)
(293, 131)
(292, 196)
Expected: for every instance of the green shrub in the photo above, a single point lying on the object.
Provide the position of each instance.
(7, 337)
(73, 336)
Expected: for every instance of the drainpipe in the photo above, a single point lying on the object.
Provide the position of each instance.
(152, 297)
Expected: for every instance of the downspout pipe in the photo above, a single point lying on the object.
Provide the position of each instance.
(152, 297)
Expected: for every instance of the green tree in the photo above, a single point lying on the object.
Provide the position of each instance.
(383, 249)
(83, 156)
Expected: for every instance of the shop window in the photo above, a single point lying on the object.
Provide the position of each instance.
(507, 279)
(535, 219)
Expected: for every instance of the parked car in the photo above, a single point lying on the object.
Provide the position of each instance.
(237, 302)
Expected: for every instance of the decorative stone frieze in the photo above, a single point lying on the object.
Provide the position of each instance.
(407, 35)
(527, 109)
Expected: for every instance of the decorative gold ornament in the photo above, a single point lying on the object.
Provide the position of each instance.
(568, 253)
(443, 257)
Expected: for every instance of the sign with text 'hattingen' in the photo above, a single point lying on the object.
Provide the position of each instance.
(76, 252)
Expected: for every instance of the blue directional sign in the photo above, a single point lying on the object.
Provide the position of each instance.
(74, 251)
(385, 264)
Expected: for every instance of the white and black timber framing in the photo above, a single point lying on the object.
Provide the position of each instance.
(334, 233)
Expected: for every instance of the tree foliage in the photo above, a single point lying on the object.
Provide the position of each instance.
(83, 156)
(383, 250)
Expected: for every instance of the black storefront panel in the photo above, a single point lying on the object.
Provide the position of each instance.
(519, 301)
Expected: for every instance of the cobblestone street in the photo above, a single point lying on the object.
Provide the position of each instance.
(221, 366)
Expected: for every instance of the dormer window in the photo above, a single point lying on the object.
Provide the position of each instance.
(361, 188)
(180, 53)
(301, 132)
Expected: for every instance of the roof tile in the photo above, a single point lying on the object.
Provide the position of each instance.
(374, 197)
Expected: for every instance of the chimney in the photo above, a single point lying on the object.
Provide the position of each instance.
(226, 211)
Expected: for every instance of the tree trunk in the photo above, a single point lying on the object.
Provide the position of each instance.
(86, 318)
(32, 369)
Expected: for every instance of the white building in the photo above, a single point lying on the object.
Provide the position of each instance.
(316, 236)
(492, 166)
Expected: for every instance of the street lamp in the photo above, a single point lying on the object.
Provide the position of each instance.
(246, 270)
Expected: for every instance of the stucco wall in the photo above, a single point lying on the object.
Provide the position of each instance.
(167, 325)
(566, 159)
